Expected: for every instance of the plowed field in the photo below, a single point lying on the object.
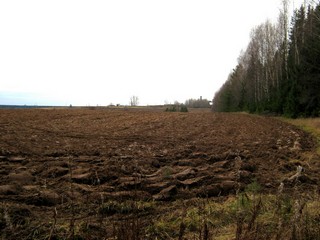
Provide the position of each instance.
(60, 167)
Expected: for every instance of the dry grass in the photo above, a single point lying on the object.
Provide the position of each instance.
(310, 125)
(250, 215)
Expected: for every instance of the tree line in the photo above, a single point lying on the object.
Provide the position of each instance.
(279, 72)
(197, 103)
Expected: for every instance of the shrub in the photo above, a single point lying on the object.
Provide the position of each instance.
(183, 108)
(177, 108)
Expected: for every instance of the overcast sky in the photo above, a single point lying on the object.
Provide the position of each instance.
(83, 52)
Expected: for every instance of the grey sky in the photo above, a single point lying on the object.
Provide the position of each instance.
(100, 52)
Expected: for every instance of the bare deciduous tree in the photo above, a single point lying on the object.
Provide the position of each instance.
(134, 101)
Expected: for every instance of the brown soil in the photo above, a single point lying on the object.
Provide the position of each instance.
(64, 164)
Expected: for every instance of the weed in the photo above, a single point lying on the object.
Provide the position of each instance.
(55, 213)
(253, 187)
(131, 229)
(128, 207)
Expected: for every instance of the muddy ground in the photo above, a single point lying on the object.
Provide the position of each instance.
(58, 167)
